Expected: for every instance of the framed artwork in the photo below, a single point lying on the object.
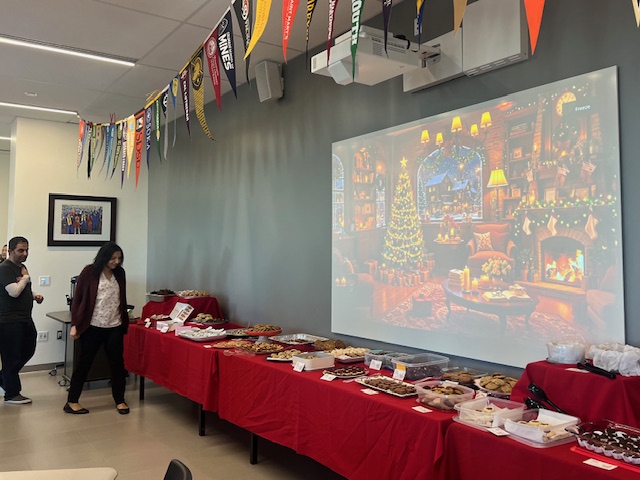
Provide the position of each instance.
(582, 193)
(80, 221)
(550, 195)
(517, 152)
(516, 192)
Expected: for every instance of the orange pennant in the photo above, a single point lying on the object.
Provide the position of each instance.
(534, 10)
(459, 6)
(636, 10)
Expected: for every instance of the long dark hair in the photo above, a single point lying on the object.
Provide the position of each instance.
(104, 255)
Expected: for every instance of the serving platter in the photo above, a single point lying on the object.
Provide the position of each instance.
(201, 335)
(346, 372)
(364, 380)
(231, 344)
(297, 338)
(237, 332)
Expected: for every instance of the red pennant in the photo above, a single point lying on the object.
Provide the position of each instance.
(139, 142)
(534, 10)
(289, 9)
(211, 50)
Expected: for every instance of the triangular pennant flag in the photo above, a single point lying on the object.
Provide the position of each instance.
(211, 49)
(459, 6)
(289, 9)
(636, 10)
(263, 8)
(534, 10)
(165, 106)
(526, 226)
(311, 7)
(227, 50)
(175, 84)
(119, 138)
(244, 13)
(356, 13)
(131, 141)
(197, 82)
(99, 140)
(184, 92)
(590, 227)
(82, 131)
(92, 148)
(139, 140)
(552, 225)
(148, 127)
(333, 5)
(111, 133)
(387, 5)
(156, 122)
(125, 149)
(420, 11)
(107, 140)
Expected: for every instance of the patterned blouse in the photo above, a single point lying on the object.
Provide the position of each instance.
(106, 313)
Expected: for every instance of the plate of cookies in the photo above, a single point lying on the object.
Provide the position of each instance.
(284, 356)
(346, 372)
(388, 385)
(263, 330)
(496, 385)
(263, 348)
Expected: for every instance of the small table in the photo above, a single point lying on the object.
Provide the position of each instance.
(475, 301)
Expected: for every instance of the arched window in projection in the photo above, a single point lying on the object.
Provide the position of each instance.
(337, 181)
(381, 194)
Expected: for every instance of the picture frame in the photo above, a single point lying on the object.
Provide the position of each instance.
(517, 153)
(80, 220)
(582, 193)
(550, 194)
(516, 192)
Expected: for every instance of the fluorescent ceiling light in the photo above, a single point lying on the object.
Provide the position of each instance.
(41, 109)
(5, 138)
(78, 52)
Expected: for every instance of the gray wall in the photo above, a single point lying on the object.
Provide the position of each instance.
(248, 217)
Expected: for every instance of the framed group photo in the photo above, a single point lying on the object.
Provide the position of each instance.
(80, 221)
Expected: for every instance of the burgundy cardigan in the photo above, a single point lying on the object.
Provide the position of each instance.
(84, 298)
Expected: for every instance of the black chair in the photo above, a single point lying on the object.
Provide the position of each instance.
(177, 471)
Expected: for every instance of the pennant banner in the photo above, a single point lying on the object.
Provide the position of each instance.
(244, 14)
(420, 11)
(131, 138)
(92, 149)
(289, 9)
(148, 127)
(311, 7)
(534, 10)
(197, 82)
(387, 5)
(356, 13)
(139, 140)
(459, 6)
(211, 49)
(125, 148)
(262, 17)
(165, 105)
(82, 131)
(156, 122)
(225, 47)
(333, 4)
(636, 10)
(175, 86)
(184, 91)
(107, 141)
(116, 155)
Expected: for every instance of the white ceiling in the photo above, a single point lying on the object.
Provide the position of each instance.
(160, 33)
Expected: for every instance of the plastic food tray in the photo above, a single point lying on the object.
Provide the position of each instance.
(537, 436)
(475, 411)
(314, 360)
(209, 338)
(384, 356)
(609, 438)
(363, 381)
(422, 365)
(297, 338)
(428, 397)
(453, 371)
(153, 297)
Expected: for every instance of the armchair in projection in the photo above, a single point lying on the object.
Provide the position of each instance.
(490, 240)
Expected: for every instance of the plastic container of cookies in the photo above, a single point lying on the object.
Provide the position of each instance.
(314, 360)
(488, 412)
(443, 395)
(541, 428)
(421, 365)
(384, 356)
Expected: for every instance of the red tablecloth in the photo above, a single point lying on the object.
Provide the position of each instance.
(199, 304)
(183, 366)
(357, 435)
(585, 395)
(473, 454)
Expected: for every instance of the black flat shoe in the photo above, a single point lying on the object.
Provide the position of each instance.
(123, 411)
(67, 408)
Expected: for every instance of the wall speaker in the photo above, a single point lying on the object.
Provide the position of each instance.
(269, 80)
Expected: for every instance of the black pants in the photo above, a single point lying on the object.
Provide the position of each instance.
(90, 342)
(17, 346)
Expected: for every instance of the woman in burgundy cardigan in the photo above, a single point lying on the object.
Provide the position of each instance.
(99, 317)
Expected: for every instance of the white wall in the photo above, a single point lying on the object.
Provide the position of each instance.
(43, 162)
(4, 195)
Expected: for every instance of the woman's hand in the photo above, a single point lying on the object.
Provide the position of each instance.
(74, 333)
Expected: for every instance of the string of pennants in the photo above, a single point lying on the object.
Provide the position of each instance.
(119, 142)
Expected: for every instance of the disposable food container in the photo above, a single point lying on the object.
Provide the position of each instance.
(384, 356)
(314, 360)
(442, 395)
(421, 365)
(616, 440)
(543, 427)
(565, 352)
(488, 412)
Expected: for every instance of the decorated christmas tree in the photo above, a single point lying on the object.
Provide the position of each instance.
(403, 242)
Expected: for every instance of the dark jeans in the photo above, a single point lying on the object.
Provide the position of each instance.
(17, 346)
(90, 342)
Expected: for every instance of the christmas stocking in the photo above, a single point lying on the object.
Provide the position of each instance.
(590, 227)
(587, 170)
(552, 225)
(526, 226)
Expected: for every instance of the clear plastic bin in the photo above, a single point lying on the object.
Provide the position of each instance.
(435, 393)
(422, 365)
(488, 412)
(384, 356)
(541, 426)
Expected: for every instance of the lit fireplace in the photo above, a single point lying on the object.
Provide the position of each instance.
(563, 261)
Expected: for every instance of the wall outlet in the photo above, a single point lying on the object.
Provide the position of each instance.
(43, 336)
(59, 334)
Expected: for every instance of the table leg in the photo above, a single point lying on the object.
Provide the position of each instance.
(202, 417)
(141, 395)
(253, 451)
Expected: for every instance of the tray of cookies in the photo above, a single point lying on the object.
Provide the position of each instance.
(203, 334)
(284, 356)
(263, 330)
(487, 412)
(262, 348)
(346, 372)
(443, 395)
(389, 385)
(541, 428)
(462, 375)
(496, 385)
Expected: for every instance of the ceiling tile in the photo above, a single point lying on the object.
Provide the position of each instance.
(174, 10)
(174, 52)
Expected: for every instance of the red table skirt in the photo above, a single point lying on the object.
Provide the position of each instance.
(585, 395)
(199, 304)
(473, 454)
(357, 435)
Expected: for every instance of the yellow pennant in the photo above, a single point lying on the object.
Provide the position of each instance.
(636, 10)
(262, 16)
(131, 140)
(459, 6)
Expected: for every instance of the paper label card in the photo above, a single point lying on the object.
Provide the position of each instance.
(147, 324)
(375, 364)
(368, 391)
(328, 377)
(421, 409)
(181, 311)
(164, 329)
(298, 366)
(498, 431)
(597, 463)
(398, 374)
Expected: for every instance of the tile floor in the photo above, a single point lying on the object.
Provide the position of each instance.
(139, 445)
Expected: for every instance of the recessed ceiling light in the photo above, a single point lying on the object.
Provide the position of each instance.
(78, 52)
(31, 94)
(33, 107)
(5, 138)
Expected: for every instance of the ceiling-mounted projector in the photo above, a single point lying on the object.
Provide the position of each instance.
(373, 64)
